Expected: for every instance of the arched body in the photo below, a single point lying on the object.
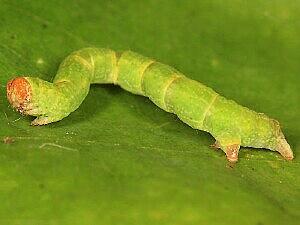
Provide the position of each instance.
(199, 106)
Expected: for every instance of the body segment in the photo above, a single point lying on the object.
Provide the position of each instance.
(199, 106)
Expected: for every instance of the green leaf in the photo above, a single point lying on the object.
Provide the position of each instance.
(121, 160)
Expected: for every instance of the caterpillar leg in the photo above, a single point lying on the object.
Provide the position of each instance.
(35, 97)
(215, 145)
(232, 152)
(230, 146)
(42, 120)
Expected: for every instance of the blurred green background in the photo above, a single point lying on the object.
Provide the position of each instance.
(119, 159)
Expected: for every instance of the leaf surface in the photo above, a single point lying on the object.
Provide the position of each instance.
(119, 159)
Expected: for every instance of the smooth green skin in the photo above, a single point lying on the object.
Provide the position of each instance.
(194, 103)
(135, 163)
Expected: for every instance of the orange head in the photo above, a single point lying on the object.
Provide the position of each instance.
(19, 93)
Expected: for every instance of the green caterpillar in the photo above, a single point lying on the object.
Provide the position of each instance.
(199, 106)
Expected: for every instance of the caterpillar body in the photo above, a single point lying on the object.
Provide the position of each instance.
(231, 124)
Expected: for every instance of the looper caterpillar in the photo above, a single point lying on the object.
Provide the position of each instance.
(199, 106)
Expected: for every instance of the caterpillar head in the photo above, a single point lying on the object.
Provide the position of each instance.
(35, 97)
(19, 95)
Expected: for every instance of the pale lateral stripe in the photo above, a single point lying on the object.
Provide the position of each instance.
(93, 64)
(142, 73)
(170, 81)
(114, 72)
(209, 107)
(83, 61)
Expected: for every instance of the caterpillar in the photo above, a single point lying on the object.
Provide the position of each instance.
(199, 106)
